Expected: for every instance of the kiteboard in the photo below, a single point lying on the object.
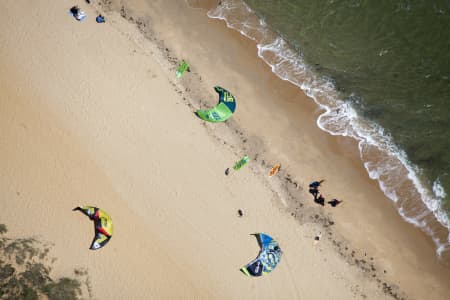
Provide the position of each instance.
(183, 67)
(242, 162)
(274, 170)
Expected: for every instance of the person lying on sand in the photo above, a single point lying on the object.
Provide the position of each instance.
(77, 13)
(334, 202)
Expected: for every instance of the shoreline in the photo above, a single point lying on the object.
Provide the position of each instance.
(348, 144)
(413, 200)
(407, 248)
(117, 129)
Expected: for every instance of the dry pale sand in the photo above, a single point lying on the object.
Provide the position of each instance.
(92, 114)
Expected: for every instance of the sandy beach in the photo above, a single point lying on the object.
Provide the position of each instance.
(92, 114)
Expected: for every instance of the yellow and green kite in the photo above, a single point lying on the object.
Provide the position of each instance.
(102, 223)
(183, 67)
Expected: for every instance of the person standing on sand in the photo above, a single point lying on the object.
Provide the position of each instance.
(320, 200)
(314, 188)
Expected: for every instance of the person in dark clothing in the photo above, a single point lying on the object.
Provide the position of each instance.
(74, 10)
(334, 202)
(320, 200)
(314, 188)
(77, 13)
(314, 191)
(316, 184)
(100, 19)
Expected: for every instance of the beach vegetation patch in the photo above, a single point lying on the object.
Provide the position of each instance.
(64, 288)
(25, 271)
(3, 229)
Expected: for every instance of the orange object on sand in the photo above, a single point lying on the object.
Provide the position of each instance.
(274, 170)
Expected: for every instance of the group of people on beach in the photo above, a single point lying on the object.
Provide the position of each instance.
(318, 198)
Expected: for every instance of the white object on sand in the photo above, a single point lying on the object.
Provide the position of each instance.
(81, 15)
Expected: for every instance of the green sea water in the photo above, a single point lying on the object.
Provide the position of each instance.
(390, 59)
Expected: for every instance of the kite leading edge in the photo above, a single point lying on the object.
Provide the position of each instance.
(223, 110)
(102, 223)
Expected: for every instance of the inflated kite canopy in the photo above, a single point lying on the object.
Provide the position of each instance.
(102, 223)
(268, 258)
(223, 110)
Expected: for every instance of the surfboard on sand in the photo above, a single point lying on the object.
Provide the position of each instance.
(274, 170)
(242, 162)
(183, 67)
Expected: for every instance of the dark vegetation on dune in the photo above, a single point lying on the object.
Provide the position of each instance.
(25, 271)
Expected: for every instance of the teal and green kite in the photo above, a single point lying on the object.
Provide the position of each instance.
(222, 111)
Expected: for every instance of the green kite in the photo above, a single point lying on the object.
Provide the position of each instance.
(222, 111)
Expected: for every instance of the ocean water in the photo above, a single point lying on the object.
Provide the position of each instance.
(381, 72)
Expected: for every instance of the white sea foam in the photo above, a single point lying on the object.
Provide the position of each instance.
(397, 177)
(438, 190)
